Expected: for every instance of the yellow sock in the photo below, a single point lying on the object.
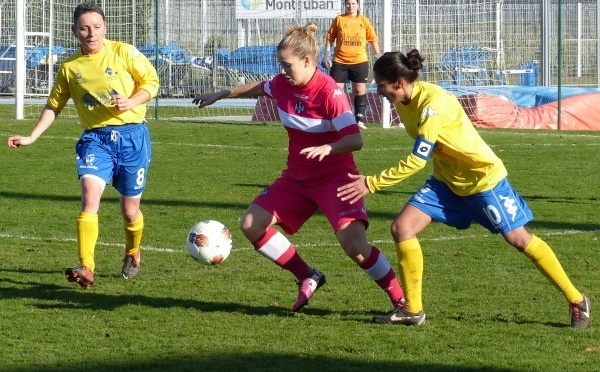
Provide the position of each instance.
(410, 270)
(87, 235)
(133, 235)
(546, 262)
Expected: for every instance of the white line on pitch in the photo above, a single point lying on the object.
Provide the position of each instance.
(366, 149)
(182, 249)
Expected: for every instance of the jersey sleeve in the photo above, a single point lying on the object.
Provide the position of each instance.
(422, 150)
(60, 92)
(371, 35)
(270, 87)
(143, 72)
(391, 176)
(340, 112)
(333, 30)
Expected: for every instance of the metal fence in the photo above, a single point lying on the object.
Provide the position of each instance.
(199, 46)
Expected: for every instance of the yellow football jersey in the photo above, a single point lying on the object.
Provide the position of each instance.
(91, 80)
(351, 35)
(443, 132)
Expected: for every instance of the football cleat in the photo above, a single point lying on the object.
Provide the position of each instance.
(400, 316)
(360, 121)
(308, 287)
(80, 275)
(131, 265)
(580, 313)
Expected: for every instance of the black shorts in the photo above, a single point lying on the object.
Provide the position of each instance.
(358, 73)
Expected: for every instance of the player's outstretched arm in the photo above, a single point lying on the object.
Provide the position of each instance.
(207, 99)
(247, 90)
(46, 119)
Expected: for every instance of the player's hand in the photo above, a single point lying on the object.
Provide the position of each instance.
(318, 151)
(121, 102)
(17, 141)
(206, 99)
(326, 63)
(354, 190)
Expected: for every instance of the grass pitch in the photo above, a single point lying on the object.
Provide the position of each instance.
(488, 308)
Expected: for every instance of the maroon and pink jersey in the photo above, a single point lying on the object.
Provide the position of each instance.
(314, 114)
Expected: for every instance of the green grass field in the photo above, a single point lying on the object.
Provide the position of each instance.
(488, 308)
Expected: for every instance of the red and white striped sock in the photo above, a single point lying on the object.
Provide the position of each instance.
(277, 248)
(378, 268)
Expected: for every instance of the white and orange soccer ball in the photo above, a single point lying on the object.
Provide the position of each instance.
(209, 242)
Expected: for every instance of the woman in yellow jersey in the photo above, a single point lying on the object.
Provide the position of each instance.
(109, 83)
(469, 184)
(351, 32)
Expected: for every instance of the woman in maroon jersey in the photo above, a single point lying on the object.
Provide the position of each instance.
(322, 134)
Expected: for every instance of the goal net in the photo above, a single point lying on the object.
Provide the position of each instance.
(472, 47)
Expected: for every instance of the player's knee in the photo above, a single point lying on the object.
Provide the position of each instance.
(518, 238)
(131, 215)
(401, 231)
(251, 228)
(357, 252)
(246, 223)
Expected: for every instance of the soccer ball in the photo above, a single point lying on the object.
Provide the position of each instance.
(209, 242)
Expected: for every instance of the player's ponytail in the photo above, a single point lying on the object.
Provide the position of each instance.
(301, 41)
(393, 65)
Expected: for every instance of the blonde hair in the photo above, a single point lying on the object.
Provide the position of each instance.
(301, 41)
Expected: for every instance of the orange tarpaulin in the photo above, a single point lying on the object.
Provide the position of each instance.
(579, 112)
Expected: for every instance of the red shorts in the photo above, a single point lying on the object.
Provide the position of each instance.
(293, 202)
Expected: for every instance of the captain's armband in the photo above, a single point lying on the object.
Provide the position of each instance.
(423, 148)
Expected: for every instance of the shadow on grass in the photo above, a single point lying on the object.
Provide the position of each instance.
(265, 362)
(70, 296)
(561, 199)
(91, 299)
(501, 319)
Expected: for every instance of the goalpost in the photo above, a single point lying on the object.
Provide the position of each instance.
(470, 46)
(42, 39)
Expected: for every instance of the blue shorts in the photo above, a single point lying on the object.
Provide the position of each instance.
(499, 210)
(118, 152)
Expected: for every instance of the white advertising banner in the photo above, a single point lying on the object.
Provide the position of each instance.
(293, 9)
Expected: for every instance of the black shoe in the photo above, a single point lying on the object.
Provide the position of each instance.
(400, 316)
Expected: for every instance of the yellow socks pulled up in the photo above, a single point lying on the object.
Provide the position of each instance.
(87, 235)
(133, 235)
(546, 262)
(410, 272)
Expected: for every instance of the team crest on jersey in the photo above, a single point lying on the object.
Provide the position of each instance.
(299, 107)
(79, 77)
(110, 74)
